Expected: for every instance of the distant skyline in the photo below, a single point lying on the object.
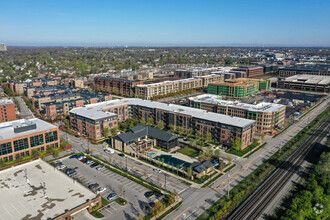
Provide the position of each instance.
(165, 23)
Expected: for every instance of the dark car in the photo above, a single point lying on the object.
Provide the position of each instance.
(121, 155)
(94, 165)
(149, 194)
(77, 136)
(94, 185)
(73, 156)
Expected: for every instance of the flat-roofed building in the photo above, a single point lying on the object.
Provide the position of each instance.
(306, 69)
(116, 86)
(7, 110)
(251, 71)
(268, 116)
(18, 138)
(305, 82)
(223, 127)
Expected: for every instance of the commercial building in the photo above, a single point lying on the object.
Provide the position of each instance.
(7, 111)
(3, 47)
(268, 116)
(149, 91)
(18, 138)
(90, 120)
(306, 69)
(305, 82)
(35, 190)
(251, 71)
(238, 88)
(192, 72)
(143, 137)
(116, 86)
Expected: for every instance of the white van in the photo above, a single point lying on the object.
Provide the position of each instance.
(109, 150)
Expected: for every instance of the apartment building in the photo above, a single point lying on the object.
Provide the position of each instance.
(7, 111)
(306, 82)
(305, 69)
(18, 138)
(90, 120)
(251, 71)
(268, 116)
(17, 86)
(116, 86)
(192, 72)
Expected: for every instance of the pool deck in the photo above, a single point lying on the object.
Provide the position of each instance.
(176, 155)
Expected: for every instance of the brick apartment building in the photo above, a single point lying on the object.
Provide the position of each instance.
(20, 137)
(251, 71)
(7, 111)
(268, 116)
(306, 69)
(116, 86)
(90, 120)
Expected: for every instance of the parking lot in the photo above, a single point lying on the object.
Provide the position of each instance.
(132, 192)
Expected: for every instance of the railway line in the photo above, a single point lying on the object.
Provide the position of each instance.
(258, 201)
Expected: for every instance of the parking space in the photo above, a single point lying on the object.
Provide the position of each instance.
(132, 192)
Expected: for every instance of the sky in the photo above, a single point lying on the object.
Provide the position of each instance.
(165, 22)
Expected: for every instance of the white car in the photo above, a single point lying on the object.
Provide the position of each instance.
(109, 150)
(100, 168)
(60, 167)
(100, 190)
(157, 170)
(58, 161)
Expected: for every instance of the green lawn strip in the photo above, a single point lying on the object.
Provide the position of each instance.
(185, 182)
(224, 206)
(162, 149)
(203, 178)
(170, 210)
(212, 180)
(127, 175)
(121, 201)
(105, 202)
(246, 150)
(231, 167)
(191, 152)
(246, 156)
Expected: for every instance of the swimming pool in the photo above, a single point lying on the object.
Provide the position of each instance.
(151, 154)
(173, 161)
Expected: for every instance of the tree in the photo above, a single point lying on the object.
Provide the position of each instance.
(2, 162)
(198, 135)
(229, 158)
(209, 137)
(56, 154)
(172, 197)
(106, 132)
(140, 216)
(35, 152)
(114, 131)
(209, 152)
(236, 143)
(161, 125)
(49, 148)
(181, 130)
(189, 172)
(158, 207)
(172, 128)
(217, 154)
(150, 121)
(190, 132)
(143, 121)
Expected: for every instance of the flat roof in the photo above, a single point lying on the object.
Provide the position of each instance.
(6, 102)
(95, 109)
(45, 193)
(307, 67)
(260, 107)
(7, 128)
(313, 79)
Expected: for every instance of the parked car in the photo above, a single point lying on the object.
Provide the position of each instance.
(71, 173)
(84, 160)
(157, 170)
(77, 136)
(58, 161)
(100, 190)
(61, 167)
(94, 165)
(121, 155)
(149, 194)
(73, 156)
(81, 157)
(100, 168)
(94, 185)
(112, 196)
(89, 162)
(109, 150)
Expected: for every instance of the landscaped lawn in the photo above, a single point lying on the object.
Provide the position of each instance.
(191, 152)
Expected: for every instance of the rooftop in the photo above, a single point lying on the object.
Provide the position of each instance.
(307, 67)
(96, 109)
(23, 127)
(6, 102)
(23, 195)
(215, 99)
(313, 79)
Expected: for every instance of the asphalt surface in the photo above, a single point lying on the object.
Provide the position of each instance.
(25, 112)
(114, 183)
(196, 201)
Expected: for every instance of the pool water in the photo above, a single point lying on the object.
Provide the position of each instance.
(173, 161)
(151, 154)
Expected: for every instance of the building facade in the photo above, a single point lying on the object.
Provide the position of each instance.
(268, 116)
(116, 86)
(306, 82)
(20, 137)
(306, 69)
(251, 71)
(7, 111)
(223, 127)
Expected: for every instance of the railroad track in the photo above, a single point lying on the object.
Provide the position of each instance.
(258, 201)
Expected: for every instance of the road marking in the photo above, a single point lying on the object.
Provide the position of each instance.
(181, 213)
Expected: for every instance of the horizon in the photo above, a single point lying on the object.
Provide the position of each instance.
(297, 23)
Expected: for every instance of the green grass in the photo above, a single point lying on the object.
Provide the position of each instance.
(212, 180)
(203, 178)
(97, 214)
(159, 148)
(104, 201)
(191, 152)
(120, 201)
(246, 150)
(185, 182)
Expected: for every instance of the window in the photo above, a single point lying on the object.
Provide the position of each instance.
(37, 140)
(5, 148)
(21, 144)
(51, 136)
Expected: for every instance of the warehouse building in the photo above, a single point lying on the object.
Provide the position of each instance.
(268, 116)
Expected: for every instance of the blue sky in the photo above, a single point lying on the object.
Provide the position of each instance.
(165, 22)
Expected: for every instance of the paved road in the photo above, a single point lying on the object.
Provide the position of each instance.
(25, 112)
(196, 201)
